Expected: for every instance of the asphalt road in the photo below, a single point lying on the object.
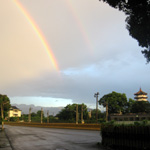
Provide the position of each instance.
(30, 138)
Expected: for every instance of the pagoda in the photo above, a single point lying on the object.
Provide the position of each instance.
(140, 96)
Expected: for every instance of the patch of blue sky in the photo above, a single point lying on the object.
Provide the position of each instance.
(41, 101)
(89, 70)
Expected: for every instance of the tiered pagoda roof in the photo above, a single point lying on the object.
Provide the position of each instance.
(140, 92)
(140, 96)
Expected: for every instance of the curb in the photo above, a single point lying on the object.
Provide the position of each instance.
(61, 126)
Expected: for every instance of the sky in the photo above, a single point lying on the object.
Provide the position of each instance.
(59, 52)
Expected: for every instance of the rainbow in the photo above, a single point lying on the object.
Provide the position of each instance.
(80, 26)
(39, 34)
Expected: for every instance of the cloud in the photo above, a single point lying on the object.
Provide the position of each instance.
(90, 42)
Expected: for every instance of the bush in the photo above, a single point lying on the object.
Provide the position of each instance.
(137, 123)
(144, 122)
(14, 119)
(122, 137)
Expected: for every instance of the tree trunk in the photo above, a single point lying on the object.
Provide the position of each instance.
(76, 113)
(41, 115)
(29, 118)
(2, 116)
(47, 116)
(82, 121)
(106, 111)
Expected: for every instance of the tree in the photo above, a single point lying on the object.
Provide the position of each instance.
(69, 112)
(129, 105)
(140, 107)
(101, 116)
(5, 105)
(117, 102)
(93, 114)
(36, 117)
(138, 20)
(39, 113)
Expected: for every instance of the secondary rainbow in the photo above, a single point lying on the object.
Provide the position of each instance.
(39, 33)
(80, 26)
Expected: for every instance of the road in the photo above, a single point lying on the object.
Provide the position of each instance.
(30, 138)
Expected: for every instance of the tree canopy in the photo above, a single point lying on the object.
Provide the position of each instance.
(140, 107)
(130, 103)
(4, 107)
(138, 20)
(116, 102)
(69, 112)
(5, 102)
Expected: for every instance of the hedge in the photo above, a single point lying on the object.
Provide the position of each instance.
(131, 137)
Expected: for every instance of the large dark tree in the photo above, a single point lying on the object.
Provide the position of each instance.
(130, 104)
(69, 112)
(116, 102)
(138, 20)
(140, 107)
(4, 107)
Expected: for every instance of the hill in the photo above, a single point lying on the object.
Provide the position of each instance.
(25, 109)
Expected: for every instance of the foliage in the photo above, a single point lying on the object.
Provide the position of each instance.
(140, 107)
(39, 113)
(24, 117)
(126, 136)
(69, 112)
(138, 20)
(36, 117)
(14, 119)
(101, 116)
(129, 105)
(116, 102)
(144, 122)
(4, 100)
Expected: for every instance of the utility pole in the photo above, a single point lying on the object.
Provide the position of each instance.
(96, 96)
(48, 116)
(76, 113)
(29, 118)
(41, 115)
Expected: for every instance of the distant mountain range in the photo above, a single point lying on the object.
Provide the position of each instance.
(25, 109)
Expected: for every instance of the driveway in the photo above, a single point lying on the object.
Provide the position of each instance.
(30, 138)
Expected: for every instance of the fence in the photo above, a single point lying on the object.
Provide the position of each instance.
(129, 122)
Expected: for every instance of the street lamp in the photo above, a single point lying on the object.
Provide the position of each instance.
(96, 96)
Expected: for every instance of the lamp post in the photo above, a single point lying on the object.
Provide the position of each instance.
(96, 96)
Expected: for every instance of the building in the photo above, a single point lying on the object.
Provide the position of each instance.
(140, 96)
(130, 117)
(14, 112)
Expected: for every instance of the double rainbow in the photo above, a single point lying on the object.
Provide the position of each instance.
(39, 34)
